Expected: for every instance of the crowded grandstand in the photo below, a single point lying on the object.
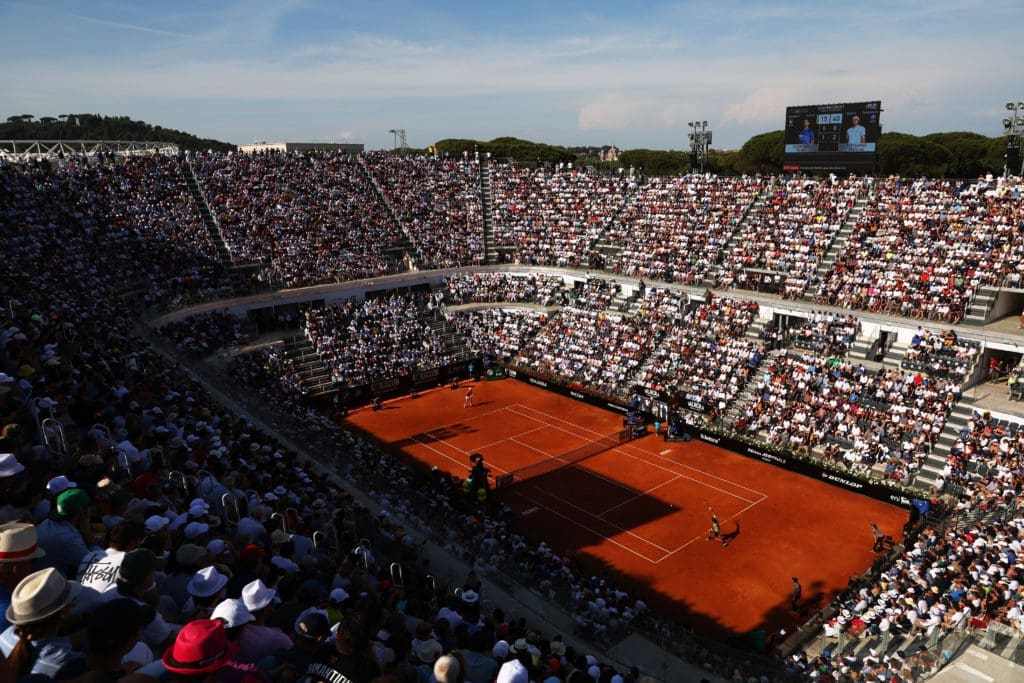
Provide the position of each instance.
(180, 495)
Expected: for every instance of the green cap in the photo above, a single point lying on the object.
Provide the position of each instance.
(71, 502)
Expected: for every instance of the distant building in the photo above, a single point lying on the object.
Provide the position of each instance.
(610, 153)
(302, 147)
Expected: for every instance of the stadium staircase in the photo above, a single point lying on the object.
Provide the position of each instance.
(752, 209)
(950, 434)
(491, 255)
(602, 252)
(862, 348)
(621, 303)
(237, 272)
(396, 253)
(838, 246)
(981, 304)
(748, 395)
(754, 329)
(315, 378)
(452, 339)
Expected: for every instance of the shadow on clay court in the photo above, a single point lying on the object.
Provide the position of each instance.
(435, 435)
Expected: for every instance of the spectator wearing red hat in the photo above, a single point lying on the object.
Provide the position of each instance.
(199, 652)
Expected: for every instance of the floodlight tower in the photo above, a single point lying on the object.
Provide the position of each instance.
(700, 142)
(1013, 126)
(399, 134)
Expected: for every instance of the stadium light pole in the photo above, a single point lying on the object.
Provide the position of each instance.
(1013, 126)
(700, 141)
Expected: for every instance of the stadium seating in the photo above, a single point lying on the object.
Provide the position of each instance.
(171, 469)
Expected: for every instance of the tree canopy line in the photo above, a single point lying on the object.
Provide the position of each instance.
(937, 155)
(97, 127)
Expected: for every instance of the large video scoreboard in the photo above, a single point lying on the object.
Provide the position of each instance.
(832, 137)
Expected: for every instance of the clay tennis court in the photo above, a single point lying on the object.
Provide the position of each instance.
(640, 510)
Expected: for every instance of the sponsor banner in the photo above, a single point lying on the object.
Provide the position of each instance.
(421, 377)
(385, 385)
(400, 386)
(575, 392)
(494, 372)
(807, 468)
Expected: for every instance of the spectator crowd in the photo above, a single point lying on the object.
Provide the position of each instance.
(146, 528)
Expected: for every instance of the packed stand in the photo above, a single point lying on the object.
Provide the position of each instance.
(595, 294)
(498, 332)
(269, 373)
(313, 216)
(922, 249)
(437, 200)
(676, 229)
(202, 546)
(471, 288)
(826, 334)
(702, 355)
(943, 355)
(985, 448)
(860, 419)
(943, 582)
(203, 333)
(593, 350)
(551, 217)
(789, 233)
(376, 339)
(132, 217)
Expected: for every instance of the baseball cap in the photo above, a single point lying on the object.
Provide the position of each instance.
(71, 502)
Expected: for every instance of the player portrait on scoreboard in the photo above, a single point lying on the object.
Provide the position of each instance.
(802, 134)
(806, 135)
(856, 136)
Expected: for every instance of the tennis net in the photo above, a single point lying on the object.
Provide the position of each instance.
(557, 462)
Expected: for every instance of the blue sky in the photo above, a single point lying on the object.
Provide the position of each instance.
(565, 72)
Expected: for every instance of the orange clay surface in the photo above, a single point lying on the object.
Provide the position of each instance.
(641, 512)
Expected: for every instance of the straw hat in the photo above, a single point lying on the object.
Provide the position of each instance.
(40, 595)
(18, 542)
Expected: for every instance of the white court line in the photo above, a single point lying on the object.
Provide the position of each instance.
(637, 448)
(639, 495)
(641, 450)
(479, 415)
(448, 457)
(645, 452)
(693, 479)
(690, 467)
(593, 531)
(552, 417)
(612, 524)
(512, 437)
(736, 516)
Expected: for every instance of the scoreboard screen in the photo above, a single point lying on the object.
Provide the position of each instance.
(832, 137)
